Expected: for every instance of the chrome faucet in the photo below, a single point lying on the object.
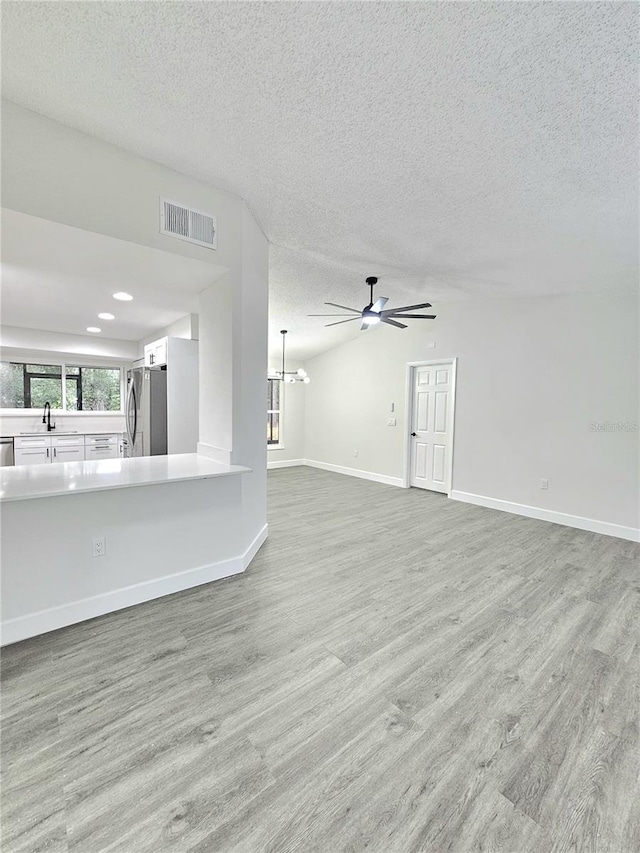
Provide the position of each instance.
(46, 417)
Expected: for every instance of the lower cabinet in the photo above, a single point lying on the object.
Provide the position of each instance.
(32, 455)
(102, 451)
(44, 449)
(68, 454)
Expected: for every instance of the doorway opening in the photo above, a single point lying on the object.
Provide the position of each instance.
(430, 407)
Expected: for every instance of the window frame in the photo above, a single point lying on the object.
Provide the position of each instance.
(279, 445)
(80, 362)
(28, 375)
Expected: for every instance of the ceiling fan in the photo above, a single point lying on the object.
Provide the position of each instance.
(373, 313)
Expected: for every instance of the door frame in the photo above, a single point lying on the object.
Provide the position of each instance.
(408, 408)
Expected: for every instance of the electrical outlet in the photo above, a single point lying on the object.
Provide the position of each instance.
(391, 422)
(355, 452)
(544, 483)
(99, 546)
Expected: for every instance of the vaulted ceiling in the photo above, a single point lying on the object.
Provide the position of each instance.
(455, 150)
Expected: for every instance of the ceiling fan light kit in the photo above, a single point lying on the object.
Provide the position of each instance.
(299, 375)
(374, 312)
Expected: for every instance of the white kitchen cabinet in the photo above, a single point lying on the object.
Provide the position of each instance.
(101, 446)
(67, 440)
(67, 447)
(68, 454)
(92, 453)
(98, 439)
(155, 353)
(22, 442)
(32, 456)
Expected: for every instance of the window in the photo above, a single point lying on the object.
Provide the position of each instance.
(273, 412)
(30, 386)
(92, 389)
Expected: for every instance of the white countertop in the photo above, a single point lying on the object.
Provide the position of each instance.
(24, 482)
(9, 433)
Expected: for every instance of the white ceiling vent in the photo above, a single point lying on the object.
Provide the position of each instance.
(194, 226)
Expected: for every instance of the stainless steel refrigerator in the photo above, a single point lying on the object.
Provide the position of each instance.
(146, 412)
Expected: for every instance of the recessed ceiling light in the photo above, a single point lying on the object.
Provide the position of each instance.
(106, 316)
(122, 296)
(94, 329)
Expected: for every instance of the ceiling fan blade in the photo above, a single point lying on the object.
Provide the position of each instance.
(379, 304)
(326, 325)
(407, 308)
(334, 305)
(392, 323)
(413, 316)
(365, 326)
(326, 315)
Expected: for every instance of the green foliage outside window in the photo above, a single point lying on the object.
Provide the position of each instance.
(273, 411)
(11, 385)
(95, 389)
(30, 386)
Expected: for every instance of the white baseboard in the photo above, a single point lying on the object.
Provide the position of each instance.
(590, 524)
(607, 528)
(34, 624)
(255, 546)
(285, 463)
(355, 472)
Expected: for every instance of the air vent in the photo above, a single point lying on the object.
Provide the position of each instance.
(194, 226)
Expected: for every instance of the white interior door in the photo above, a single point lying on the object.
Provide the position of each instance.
(432, 427)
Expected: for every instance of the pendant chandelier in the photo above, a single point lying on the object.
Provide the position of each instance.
(283, 375)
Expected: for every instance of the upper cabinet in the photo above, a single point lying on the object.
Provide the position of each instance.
(155, 353)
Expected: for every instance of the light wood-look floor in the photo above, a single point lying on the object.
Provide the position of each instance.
(395, 672)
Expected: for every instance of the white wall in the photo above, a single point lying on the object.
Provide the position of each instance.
(56, 173)
(159, 540)
(15, 340)
(182, 395)
(292, 425)
(81, 422)
(143, 542)
(533, 376)
(216, 370)
(57, 348)
(250, 317)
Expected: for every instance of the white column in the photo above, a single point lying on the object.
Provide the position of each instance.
(216, 359)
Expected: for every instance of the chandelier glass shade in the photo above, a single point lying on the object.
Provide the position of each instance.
(299, 375)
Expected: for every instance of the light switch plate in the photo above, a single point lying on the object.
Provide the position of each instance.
(391, 422)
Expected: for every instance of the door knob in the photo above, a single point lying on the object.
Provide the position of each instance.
(414, 434)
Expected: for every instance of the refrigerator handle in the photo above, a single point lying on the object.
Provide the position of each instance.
(127, 409)
(135, 416)
(131, 432)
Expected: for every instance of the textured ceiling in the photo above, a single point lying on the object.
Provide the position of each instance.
(454, 149)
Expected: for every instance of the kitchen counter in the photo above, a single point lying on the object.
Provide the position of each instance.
(52, 432)
(67, 478)
(9, 433)
(63, 432)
